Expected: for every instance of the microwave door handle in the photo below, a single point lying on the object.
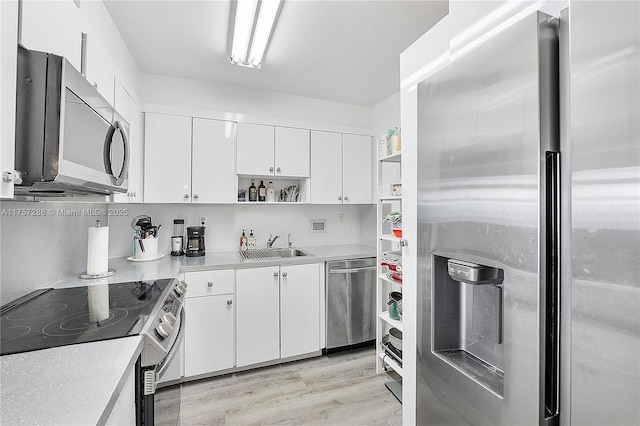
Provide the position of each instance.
(108, 142)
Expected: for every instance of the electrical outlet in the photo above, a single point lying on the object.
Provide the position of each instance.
(340, 217)
(203, 219)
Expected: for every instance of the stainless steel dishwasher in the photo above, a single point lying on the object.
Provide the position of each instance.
(350, 302)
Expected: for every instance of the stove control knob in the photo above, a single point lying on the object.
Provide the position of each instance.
(169, 318)
(164, 329)
(179, 289)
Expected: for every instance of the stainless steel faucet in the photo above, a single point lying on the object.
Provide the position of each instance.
(271, 240)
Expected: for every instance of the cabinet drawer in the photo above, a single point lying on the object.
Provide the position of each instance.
(207, 283)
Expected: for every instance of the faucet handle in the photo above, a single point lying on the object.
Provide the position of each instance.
(289, 242)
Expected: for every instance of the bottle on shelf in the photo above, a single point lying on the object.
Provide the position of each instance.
(253, 191)
(251, 241)
(271, 193)
(262, 192)
(243, 241)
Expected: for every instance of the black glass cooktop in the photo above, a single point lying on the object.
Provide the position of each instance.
(66, 316)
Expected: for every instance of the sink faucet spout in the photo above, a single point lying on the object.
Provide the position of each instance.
(271, 240)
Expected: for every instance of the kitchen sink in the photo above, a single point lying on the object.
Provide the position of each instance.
(289, 252)
(264, 254)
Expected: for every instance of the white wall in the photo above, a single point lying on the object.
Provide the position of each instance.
(238, 102)
(386, 115)
(45, 246)
(224, 224)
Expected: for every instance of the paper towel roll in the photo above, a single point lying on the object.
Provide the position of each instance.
(98, 301)
(98, 250)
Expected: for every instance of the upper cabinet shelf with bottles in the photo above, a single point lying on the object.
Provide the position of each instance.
(268, 151)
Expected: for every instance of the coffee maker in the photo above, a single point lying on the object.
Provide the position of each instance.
(195, 241)
(177, 239)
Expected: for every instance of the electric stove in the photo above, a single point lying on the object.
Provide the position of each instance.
(66, 316)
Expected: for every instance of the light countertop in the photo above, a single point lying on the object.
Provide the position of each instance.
(67, 385)
(79, 384)
(169, 267)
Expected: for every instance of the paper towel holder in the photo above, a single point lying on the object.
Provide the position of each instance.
(107, 273)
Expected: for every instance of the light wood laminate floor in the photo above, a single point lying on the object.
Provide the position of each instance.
(336, 389)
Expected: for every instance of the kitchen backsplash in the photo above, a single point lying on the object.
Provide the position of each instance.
(224, 224)
(42, 242)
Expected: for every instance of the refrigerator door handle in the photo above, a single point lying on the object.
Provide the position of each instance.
(552, 291)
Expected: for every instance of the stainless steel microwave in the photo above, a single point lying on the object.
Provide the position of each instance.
(69, 140)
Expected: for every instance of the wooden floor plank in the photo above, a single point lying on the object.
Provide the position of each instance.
(336, 389)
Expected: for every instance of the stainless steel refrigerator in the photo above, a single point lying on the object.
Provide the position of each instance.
(516, 264)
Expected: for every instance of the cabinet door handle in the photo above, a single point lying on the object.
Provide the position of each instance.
(278, 170)
(229, 302)
(346, 198)
(339, 197)
(284, 274)
(195, 196)
(275, 274)
(271, 169)
(210, 284)
(186, 196)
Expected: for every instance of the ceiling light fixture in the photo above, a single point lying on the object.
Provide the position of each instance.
(252, 29)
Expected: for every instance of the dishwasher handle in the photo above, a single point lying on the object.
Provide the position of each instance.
(351, 270)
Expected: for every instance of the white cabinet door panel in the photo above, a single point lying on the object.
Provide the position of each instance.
(300, 309)
(291, 152)
(326, 168)
(121, 101)
(49, 26)
(210, 283)
(258, 315)
(213, 163)
(208, 339)
(255, 149)
(167, 172)
(356, 169)
(100, 68)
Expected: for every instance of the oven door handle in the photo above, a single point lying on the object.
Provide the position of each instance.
(174, 348)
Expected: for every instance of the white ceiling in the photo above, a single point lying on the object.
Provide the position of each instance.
(343, 51)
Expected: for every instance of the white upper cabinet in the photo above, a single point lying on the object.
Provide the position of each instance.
(255, 149)
(121, 101)
(291, 152)
(340, 168)
(52, 26)
(356, 169)
(100, 70)
(167, 171)
(188, 160)
(272, 151)
(212, 168)
(326, 168)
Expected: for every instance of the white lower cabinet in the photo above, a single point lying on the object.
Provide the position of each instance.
(299, 310)
(278, 312)
(258, 315)
(209, 324)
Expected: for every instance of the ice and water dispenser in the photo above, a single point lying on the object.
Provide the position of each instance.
(468, 319)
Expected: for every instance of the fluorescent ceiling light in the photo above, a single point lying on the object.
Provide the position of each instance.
(246, 50)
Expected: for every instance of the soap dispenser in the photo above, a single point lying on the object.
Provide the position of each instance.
(251, 241)
(243, 241)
